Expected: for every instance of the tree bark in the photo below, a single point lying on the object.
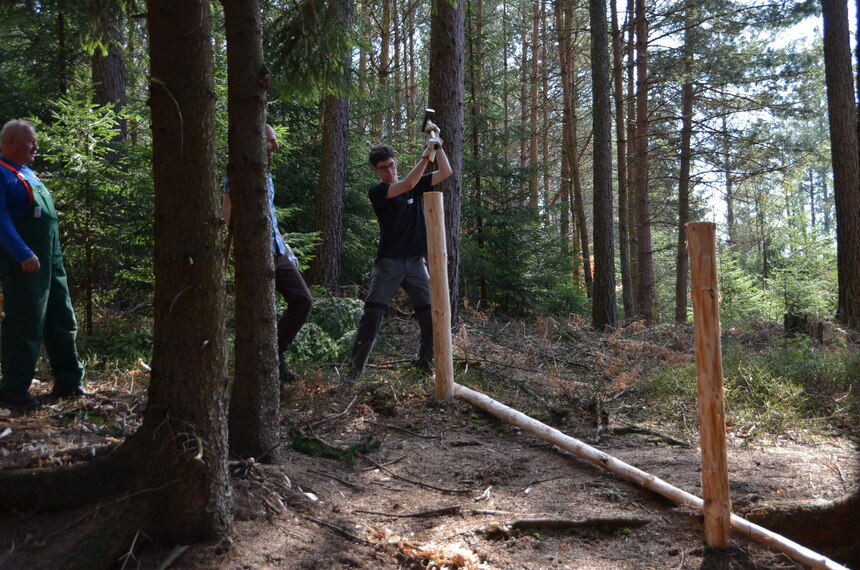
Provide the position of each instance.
(578, 207)
(334, 162)
(476, 92)
(632, 221)
(842, 110)
(534, 198)
(447, 79)
(645, 296)
(255, 407)
(564, 65)
(603, 312)
(681, 258)
(185, 426)
(107, 61)
(687, 93)
(621, 153)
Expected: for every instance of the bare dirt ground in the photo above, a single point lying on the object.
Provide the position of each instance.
(435, 484)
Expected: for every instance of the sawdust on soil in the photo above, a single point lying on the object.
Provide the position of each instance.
(444, 485)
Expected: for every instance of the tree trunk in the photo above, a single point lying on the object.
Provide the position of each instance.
(447, 79)
(476, 86)
(578, 210)
(254, 410)
(185, 423)
(107, 61)
(621, 147)
(645, 297)
(728, 181)
(681, 257)
(534, 198)
(334, 162)
(173, 472)
(603, 297)
(842, 110)
(632, 221)
(565, 51)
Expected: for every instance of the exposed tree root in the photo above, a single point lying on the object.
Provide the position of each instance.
(129, 492)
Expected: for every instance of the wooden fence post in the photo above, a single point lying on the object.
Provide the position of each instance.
(701, 245)
(437, 259)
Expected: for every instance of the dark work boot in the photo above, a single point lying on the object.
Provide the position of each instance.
(19, 399)
(425, 349)
(368, 328)
(70, 392)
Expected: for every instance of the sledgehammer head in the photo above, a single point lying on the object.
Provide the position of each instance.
(429, 115)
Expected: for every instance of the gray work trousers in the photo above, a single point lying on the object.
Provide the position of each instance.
(390, 274)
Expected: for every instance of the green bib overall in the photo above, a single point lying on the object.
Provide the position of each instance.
(38, 306)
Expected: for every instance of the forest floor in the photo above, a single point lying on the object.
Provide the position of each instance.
(414, 482)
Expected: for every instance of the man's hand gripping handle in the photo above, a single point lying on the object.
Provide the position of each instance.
(432, 131)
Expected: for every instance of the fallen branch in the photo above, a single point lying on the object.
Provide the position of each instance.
(333, 416)
(453, 510)
(344, 533)
(175, 554)
(621, 430)
(404, 430)
(419, 483)
(569, 523)
(330, 476)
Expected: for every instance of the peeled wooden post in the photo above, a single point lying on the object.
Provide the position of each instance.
(701, 245)
(437, 259)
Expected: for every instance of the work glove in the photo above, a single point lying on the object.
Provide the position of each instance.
(431, 129)
(433, 144)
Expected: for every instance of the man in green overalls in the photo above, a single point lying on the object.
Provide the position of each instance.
(37, 303)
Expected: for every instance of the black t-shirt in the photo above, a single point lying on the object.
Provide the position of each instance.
(401, 219)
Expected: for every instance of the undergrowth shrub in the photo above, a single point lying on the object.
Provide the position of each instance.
(328, 335)
(789, 386)
(116, 343)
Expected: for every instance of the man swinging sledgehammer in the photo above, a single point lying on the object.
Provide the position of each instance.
(402, 251)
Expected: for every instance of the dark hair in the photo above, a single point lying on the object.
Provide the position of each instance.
(379, 153)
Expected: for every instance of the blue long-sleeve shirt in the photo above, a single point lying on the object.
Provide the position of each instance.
(279, 246)
(14, 205)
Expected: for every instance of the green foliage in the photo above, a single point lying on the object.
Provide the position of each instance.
(41, 48)
(102, 190)
(303, 245)
(741, 297)
(312, 344)
(308, 43)
(828, 377)
(790, 386)
(117, 342)
(328, 335)
(337, 315)
(519, 262)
